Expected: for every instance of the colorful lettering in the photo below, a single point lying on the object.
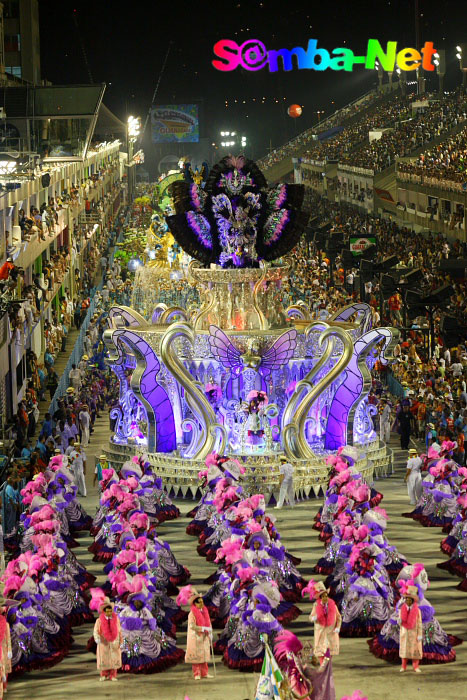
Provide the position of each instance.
(286, 56)
(232, 59)
(252, 55)
(345, 61)
(375, 51)
(428, 52)
(406, 55)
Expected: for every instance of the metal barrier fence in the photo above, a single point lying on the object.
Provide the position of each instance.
(395, 387)
(74, 358)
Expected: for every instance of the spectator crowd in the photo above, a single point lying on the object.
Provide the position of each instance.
(443, 165)
(431, 377)
(410, 133)
(339, 118)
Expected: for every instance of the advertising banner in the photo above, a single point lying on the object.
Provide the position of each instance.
(360, 244)
(175, 124)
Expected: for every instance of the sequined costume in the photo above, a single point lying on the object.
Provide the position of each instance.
(437, 644)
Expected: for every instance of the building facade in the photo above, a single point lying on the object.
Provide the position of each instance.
(86, 196)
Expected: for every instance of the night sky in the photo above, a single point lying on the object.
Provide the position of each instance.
(125, 44)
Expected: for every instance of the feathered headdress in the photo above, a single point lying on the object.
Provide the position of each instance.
(260, 396)
(236, 192)
(247, 573)
(211, 459)
(98, 598)
(187, 595)
(286, 643)
(231, 550)
(139, 520)
(310, 589)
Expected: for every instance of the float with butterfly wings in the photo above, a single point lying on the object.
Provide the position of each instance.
(241, 375)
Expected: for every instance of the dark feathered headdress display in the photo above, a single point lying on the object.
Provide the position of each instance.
(236, 220)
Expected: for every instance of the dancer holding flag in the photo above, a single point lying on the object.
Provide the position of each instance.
(271, 679)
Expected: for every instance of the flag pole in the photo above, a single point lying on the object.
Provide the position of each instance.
(212, 654)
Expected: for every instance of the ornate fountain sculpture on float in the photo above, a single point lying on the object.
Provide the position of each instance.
(241, 375)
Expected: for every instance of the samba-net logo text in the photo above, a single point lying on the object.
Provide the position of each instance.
(252, 55)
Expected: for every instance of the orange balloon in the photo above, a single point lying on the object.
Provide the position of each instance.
(294, 111)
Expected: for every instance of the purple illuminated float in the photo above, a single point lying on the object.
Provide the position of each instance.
(241, 375)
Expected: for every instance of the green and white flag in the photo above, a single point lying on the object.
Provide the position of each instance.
(270, 678)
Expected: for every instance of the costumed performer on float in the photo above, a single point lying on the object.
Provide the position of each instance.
(107, 635)
(257, 402)
(199, 635)
(327, 621)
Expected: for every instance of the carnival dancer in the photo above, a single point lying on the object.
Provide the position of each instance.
(457, 563)
(254, 618)
(154, 499)
(107, 635)
(327, 620)
(99, 468)
(37, 640)
(286, 481)
(413, 478)
(437, 646)
(109, 477)
(209, 478)
(5, 644)
(307, 678)
(344, 476)
(368, 594)
(437, 505)
(199, 635)
(77, 461)
(145, 647)
(385, 421)
(257, 402)
(410, 619)
(375, 519)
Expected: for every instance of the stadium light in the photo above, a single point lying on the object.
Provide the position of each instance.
(458, 48)
(134, 127)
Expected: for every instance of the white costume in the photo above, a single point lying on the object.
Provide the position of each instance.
(84, 421)
(385, 424)
(76, 461)
(414, 481)
(287, 488)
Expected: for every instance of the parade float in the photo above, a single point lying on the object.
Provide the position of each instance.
(240, 375)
